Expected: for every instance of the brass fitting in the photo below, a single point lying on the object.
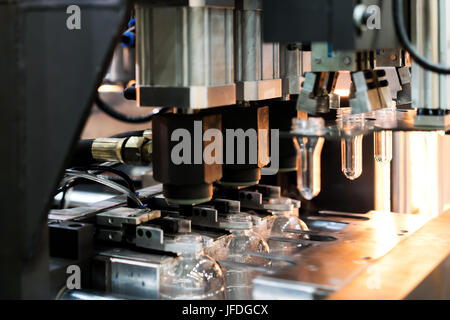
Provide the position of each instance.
(132, 150)
(148, 134)
(147, 152)
(108, 149)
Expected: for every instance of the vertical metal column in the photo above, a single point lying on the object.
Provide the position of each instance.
(429, 36)
(443, 51)
(425, 37)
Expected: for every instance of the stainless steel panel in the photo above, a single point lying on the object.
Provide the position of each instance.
(184, 53)
(328, 266)
(136, 278)
(255, 61)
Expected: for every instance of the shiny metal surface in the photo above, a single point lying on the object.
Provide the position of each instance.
(327, 266)
(325, 59)
(437, 122)
(397, 275)
(424, 34)
(107, 149)
(100, 206)
(129, 273)
(187, 61)
(135, 278)
(197, 54)
(368, 99)
(80, 198)
(291, 70)
(257, 69)
(86, 295)
(119, 216)
(342, 257)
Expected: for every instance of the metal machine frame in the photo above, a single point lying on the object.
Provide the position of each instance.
(46, 105)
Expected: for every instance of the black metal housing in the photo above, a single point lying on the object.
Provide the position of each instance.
(49, 76)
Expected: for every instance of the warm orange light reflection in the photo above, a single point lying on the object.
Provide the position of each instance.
(343, 83)
(342, 92)
(424, 172)
(383, 186)
(421, 175)
(110, 88)
(385, 232)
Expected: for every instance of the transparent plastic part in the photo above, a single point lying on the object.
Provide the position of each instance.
(382, 142)
(351, 157)
(192, 275)
(309, 150)
(383, 139)
(285, 221)
(352, 144)
(244, 241)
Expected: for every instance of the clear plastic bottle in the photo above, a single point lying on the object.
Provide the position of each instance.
(351, 157)
(192, 275)
(309, 151)
(383, 139)
(243, 241)
(352, 126)
(263, 226)
(382, 144)
(285, 220)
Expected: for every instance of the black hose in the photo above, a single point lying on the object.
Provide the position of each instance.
(126, 118)
(82, 155)
(129, 93)
(138, 133)
(400, 30)
(83, 150)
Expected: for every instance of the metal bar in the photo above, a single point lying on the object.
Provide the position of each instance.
(443, 49)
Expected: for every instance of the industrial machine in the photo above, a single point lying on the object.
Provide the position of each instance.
(237, 149)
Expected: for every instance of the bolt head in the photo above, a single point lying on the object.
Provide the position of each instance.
(347, 60)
